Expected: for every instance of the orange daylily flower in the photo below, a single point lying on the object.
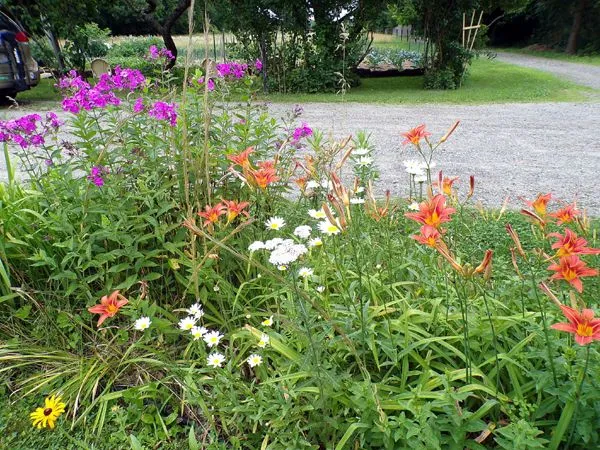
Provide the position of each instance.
(571, 244)
(566, 214)
(301, 182)
(540, 204)
(234, 209)
(109, 306)
(582, 324)
(429, 236)
(486, 265)
(432, 212)
(211, 214)
(446, 185)
(571, 269)
(264, 176)
(415, 135)
(242, 158)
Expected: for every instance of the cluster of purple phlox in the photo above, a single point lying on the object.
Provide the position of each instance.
(164, 111)
(302, 131)
(28, 130)
(155, 53)
(96, 173)
(85, 97)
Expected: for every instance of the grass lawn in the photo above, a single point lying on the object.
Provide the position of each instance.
(553, 54)
(43, 92)
(489, 81)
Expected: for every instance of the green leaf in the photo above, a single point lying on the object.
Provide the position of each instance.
(135, 444)
(348, 434)
(23, 312)
(192, 441)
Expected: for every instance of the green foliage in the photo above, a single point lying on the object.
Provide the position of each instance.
(85, 43)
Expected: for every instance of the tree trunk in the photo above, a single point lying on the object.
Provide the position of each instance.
(576, 28)
(169, 45)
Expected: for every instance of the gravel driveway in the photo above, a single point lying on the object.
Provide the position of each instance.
(512, 149)
(584, 74)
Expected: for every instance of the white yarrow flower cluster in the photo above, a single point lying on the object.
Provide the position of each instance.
(256, 245)
(286, 253)
(303, 231)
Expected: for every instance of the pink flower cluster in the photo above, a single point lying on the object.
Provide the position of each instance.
(302, 131)
(86, 97)
(96, 173)
(28, 130)
(155, 53)
(232, 69)
(164, 111)
(211, 83)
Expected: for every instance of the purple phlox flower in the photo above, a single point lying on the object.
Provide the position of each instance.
(48, 162)
(53, 120)
(258, 65)
(139, 105)
(96, 173)
(302, 131)
(154, 54)
(37, 139)
(211, 83)
(164, 111)
(167, 53)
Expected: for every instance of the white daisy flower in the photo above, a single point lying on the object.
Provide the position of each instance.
(256, 245)
(312, 184)
(188, 323)
(413, 166)
(303, 231)
(364, 161)
(320, 289)
(305, 272)
(275, 223)
(317, 214)
(282, 268)
(328, 228)
(361, 151)
(422, 178)
(254, 360)
(267, 322)
(216, 288)
(198, 332)
(143, 323)
(195, 310)
(357, 201)
(212, 338)
(414, 206)
(264, 341)
(316, 242)
(360, 189)
(215, 360)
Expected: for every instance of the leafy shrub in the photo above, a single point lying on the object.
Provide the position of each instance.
(133, 46)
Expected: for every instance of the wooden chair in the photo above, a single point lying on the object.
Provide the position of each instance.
(99, 66)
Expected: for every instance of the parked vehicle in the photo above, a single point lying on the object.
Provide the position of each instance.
(18, 70)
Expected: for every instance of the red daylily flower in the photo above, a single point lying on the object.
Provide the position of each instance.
(582, 324)
(566, 214)
(570, 244)
(415, 135)
(429, 236)
(242, 158)
(540, 204)
(234, 209)
(109, 306)
(211, 214)
(432, 212)
(571, 269)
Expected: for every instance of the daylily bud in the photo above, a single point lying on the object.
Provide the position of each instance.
(449, 132)
(515, 237)
(486, 265)
(549, 293)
